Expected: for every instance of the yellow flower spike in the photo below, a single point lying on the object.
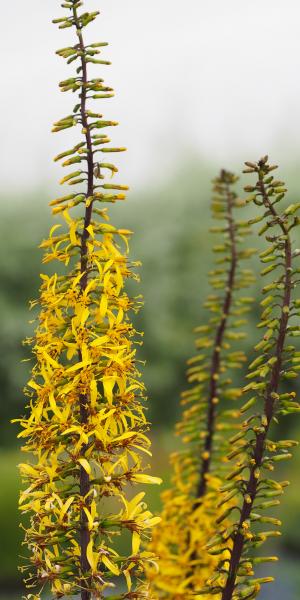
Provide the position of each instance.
(85, 431)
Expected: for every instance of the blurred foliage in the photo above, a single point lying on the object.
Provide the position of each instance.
(9, 520)
(171, 224)
(23, 224)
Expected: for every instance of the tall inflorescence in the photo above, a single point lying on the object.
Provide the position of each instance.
(190, 506)
(251, 481)
(85, 430)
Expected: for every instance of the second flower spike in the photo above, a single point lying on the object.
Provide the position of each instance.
(190, 506)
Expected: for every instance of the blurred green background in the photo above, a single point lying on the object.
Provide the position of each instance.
(171, 223)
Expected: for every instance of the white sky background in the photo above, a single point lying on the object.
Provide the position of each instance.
(221, 78)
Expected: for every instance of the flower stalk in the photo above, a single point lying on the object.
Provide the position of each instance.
(190, 506)
(225, 180)
(278, 361)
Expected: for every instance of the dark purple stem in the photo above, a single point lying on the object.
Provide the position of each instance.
(258, 453)
(84, 411)
(216, 356)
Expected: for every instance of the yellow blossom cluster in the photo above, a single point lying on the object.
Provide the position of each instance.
(181, 544)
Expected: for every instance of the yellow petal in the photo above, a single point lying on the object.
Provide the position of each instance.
(90, 556)
(108, 384)
(28, 470)
(90, 229)
(103, 305)
(65, 507)
(89, 517)
(93, 392)
(110, 565)
(85, 465)
(136, 542)
(128, 579)
(34, 385)
(79, 365)
(152, 522)
(141, 478)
